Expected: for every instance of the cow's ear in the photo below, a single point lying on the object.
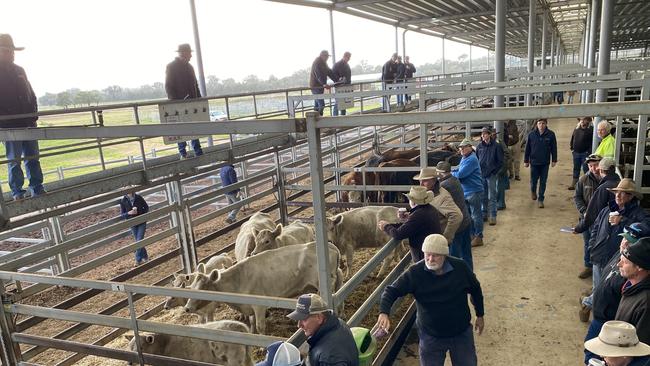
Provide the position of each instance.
(200, 268)
(149, 338)
(278, 230)
(255, 232)
(128, 337)
(338, 219)
(214, 275)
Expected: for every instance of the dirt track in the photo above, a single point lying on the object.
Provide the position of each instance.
(528, 270)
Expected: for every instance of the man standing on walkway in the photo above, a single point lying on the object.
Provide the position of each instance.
(181, 84)
(503, 181)
(607, 146)
(601, 196)
(541, 150)
(450, 215)
(330, 339)
(635, 267)
(318, 79)
(132, 205)
(409, 72)
(343, 75)
(388, 73)
(17, 97)
(440, 285)
(490, 157)
(400, 76)
(469, 175)
(581, 147)
(585, 189)
(228, 176)
(513, 141)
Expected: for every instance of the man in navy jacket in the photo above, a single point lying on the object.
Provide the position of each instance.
(132, 205)
(491, 159)
(228, 176)
(541, 151)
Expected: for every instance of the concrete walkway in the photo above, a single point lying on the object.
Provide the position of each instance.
(528, 270)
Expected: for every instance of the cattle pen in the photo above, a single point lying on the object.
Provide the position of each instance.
(291, 166)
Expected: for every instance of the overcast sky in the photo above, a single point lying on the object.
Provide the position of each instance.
(94, 44)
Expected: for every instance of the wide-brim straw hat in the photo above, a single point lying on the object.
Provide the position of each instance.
(7, 43)
(627, 185)
(617, 339)
(419, 195)
(426, 173)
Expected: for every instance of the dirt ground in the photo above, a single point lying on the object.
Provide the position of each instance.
(529, 270)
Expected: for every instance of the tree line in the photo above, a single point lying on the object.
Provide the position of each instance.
(215, 86)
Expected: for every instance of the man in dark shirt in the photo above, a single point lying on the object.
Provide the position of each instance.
(17, 97)
(440, 285)
(585, 189)
(343, 74)
(410, 70)
(581, 147)
(228, 176)
(181, 84)
(388, 73)
(330, 339)
(491, 158)
(318, 79)
(132, 205)
(633, 308)
(541, 151)
(400, 76)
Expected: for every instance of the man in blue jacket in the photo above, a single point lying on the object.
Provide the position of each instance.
(228, 176)
(490, 157)
(469, 174)
(132, 205)
(541, 150)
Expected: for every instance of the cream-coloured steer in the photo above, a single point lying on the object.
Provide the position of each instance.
(284, 272)
(295, 233)
(218, 262)
(245, 242)
(227, 354)
(357, 228)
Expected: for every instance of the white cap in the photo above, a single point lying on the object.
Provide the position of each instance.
(287, 355)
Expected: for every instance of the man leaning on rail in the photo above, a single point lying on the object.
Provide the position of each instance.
(17, 97)
(440, 285)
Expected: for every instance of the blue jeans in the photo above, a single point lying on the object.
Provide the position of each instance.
(490, 199)
(586, 235)
(461, 247)
(579, 162)
(232, 198)
(29, 151)
(336, 111)
(538, 172)
(138, 234)
(319, 104)
(592, 332)
(196, 146)
(400, 97)
(503, 183)
(385, 101)
(474, 205)
(461, 349)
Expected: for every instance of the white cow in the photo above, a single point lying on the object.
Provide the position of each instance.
(357, 228)
(227, 354)
(218, 262)
(295, 233)
(284, 272)
(245, 242)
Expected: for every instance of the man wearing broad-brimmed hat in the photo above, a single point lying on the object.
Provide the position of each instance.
(330, 339)
(423, 219)
(318, 79)
(17, 97)
(584, 189)
(450, 215)
(440, 285)
(461, 245)
(635, 267)
(469, 175)
(618, 344)
(607, 295)
(181, 84)
(541, 151)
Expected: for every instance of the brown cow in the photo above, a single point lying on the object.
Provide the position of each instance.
(395, 178)
(353, 179)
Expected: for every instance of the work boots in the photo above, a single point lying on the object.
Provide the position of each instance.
(586, 273)
(477, 241)
(572, 187)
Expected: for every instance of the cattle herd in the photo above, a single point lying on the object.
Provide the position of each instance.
(288, 256)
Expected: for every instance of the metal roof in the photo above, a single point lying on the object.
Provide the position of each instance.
(472, 21)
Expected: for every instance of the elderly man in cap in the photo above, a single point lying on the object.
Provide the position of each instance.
(461, 246)
(440, 285)
(607, 146)
(633, 308)
(422, 220)
(584, 189)
(618, 344)
(611, 220)
(450, 215)
(318, 79)
(607, 295)
(181, 84)
(541, 150)
(469, 175)
(491, 158)
(330, 339)
(281, 354)
(17, 97)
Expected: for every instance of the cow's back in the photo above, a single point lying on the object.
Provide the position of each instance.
(359, 226)
(245, 241)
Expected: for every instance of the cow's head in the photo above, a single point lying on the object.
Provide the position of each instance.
(267, 239)
(202, 281)
(173, 302)
(149, 343)
(333, 225)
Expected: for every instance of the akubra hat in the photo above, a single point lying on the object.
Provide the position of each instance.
(617, 339)
(7, 43)
(419, 195)
(627, 185)
(426, 173)
(185, 47)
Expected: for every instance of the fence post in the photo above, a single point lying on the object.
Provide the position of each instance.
(11, 353)
(140, 141)
(59, 172)
(184, 220)
(98, 119)
(136, 330)
(58, 237)
(282, 201)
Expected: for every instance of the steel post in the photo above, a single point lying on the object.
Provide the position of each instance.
(396, 39)
(404, 43)
(197, 46)
(136, 330)
(591, 57)
(11, 354)
(443, 56)
(499, 57)
(552, 47)
(470, 58)
(544, 26)
(532, 27)
(188, 254)
(604, 45)
(641, 137)
(331, 13)
(282, 206)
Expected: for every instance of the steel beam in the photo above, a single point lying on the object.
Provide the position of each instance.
(544, 26)
(604, 46)
(591, 56)
(532, 26)
(499, 57)
(331, 16)
(197, 46)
